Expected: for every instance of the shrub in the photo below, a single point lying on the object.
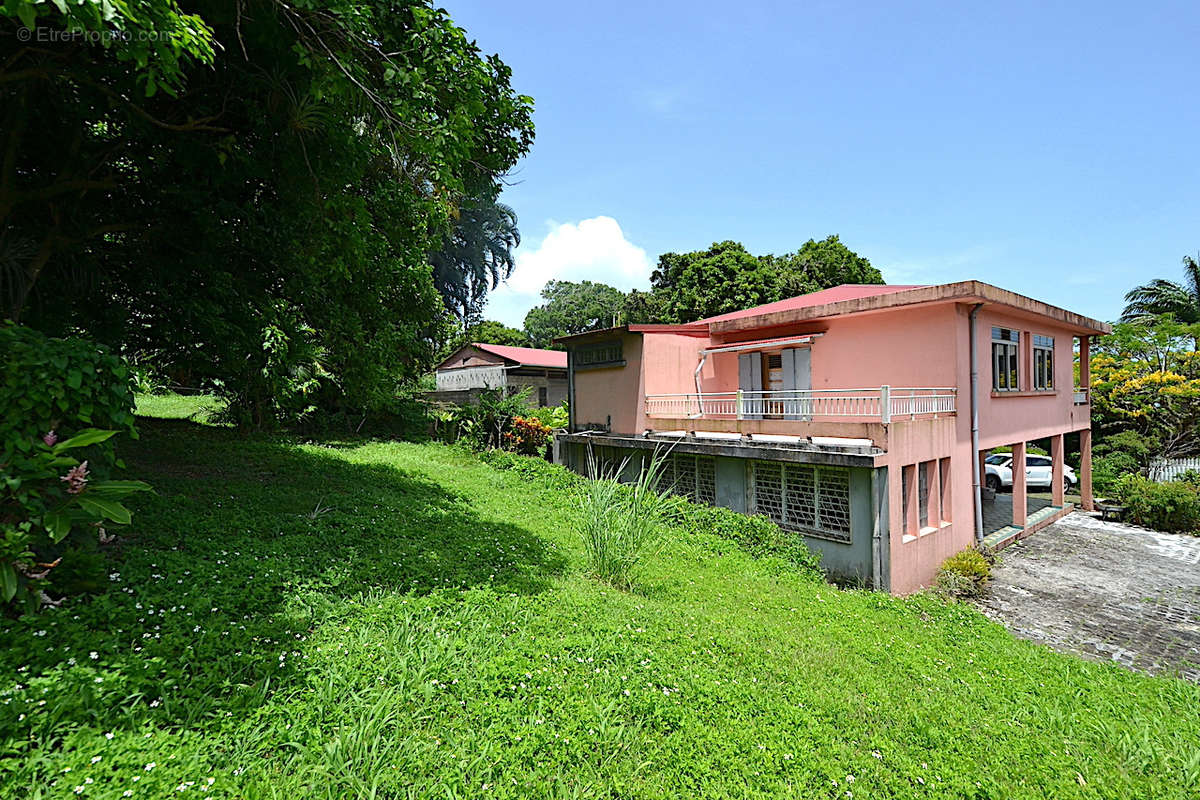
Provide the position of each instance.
(553, 417)
(483, 424)
(964, 574)
(61, 385)
(1190, 477)
(48, 497)
(64, 401)
(1108, 470)
(1173, 506)
(528, 436)
(619, 524)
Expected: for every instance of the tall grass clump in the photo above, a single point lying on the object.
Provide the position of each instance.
(619, 524)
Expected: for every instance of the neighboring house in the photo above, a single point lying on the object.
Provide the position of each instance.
(478, 366)
(846, 415)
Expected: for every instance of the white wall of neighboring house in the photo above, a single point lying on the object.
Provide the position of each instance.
(451, 380)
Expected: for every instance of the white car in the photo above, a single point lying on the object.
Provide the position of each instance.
(1039, 472)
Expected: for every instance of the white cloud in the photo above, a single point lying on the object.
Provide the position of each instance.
(594, 249)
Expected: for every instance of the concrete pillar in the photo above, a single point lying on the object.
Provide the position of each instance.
(1056, 479)
(1019, 501)
(1085, 470)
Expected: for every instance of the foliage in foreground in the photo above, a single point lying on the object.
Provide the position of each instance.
(619, 524)
(388, 620)
(56, 495)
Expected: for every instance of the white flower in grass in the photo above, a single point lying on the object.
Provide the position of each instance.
(150, 766)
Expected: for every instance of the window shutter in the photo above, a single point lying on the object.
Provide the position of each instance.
(750, 377)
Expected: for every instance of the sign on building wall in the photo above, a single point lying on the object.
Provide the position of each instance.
(470, 378)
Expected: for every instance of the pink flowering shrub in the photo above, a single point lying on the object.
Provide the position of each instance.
(62, 404)
(47, 495)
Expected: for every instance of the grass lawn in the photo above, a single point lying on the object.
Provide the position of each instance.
(290, 620)
(195, 407)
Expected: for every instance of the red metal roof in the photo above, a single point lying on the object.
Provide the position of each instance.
(847, 291)
(529, 356)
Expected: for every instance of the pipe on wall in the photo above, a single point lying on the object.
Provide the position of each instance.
(975, 476)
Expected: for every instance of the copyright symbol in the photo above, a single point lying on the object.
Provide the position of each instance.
(24, 34)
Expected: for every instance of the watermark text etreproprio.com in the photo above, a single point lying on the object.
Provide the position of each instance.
(53, 35)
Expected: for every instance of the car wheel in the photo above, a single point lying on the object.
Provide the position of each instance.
(1067, 485)
(993, 483)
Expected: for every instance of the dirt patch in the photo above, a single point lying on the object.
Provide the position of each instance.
(1105, 591)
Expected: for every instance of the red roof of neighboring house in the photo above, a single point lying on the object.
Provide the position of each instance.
(530, 356)
(836, 294)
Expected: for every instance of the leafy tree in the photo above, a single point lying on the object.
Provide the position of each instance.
(723, 278)
(1161, 296)
(476, 256)
(819, 265)
(269, 229)
(573, 308)
(641, 307)
(1145, 379)
(492, 332)
(488, 332)
(690, 286)
(154, 36)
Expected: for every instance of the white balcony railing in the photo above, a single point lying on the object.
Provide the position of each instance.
(1081, 395)
(883, 404)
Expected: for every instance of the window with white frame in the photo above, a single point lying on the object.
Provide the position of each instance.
(1043, 363)
(811, 499)
(1005, 360)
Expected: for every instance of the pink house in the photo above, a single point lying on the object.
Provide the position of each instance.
(858, 417)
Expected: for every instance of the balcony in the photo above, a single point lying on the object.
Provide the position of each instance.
(882, 405)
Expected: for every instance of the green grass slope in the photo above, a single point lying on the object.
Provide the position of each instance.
(288, 620)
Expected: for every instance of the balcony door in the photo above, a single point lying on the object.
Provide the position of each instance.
(783, 374)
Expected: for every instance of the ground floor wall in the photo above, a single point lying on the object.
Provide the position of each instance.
(838, 511)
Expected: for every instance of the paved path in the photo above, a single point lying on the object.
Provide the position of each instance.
(1106, 591)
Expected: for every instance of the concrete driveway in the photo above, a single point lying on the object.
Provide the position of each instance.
(1106, 591)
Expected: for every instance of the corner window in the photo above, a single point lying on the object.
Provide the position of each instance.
(1005, 361)
(1043, 363)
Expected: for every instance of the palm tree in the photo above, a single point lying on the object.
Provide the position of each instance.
(1161, 296)
(476, 256)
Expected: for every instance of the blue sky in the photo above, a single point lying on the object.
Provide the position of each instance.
(1051, 149)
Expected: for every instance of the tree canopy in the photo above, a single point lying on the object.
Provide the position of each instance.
(727, 277)
(1145, 379)
(573, 308)
(267, 224)
(490, 332)
(1162, 296)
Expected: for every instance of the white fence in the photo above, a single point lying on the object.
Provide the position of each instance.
(883, 404)
(1168, 469)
